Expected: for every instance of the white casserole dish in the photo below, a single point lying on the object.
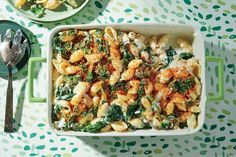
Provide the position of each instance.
(146, 29)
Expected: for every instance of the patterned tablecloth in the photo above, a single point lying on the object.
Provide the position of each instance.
(216, 20)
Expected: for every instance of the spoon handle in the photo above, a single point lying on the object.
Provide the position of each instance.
(9, 103)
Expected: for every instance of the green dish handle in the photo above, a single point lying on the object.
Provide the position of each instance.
(31, 79)
(220, 63)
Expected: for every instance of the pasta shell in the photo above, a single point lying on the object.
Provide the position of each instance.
(96, 100)
(115, 76)
(56, 64)
(93, 58)
(76, 99)
(61, 66)
(134, 50)
(87, 101)
(193, 67)
(81, 88)
(165, 75)
(153, 42)
(118, 102)
(104, 95)
(102, 110)
(140, 44)
(163, 40)
(161, 52)
(194, 109)
(148, 113)
(59, 81)
(165, 91)
(115, 54)
(55, 74)
(19, 3)
(127, 75)
(134, 86)
(106, 128)
(156, 123)
(144, 55)
(121, 97)
(146, 103)
(137, 123)
(181, 106)
(134, 63)
(141, 38)
(52, 4)
(125, 39)
(63, 103)
(198, 86)
(132, 35)
(117, 64)
(119, 126)
(184, 116)
(76, 56)
(97, 86)
(192, 95)
(191, 121)
(148, 88)
(110, 35)
(184, 44)
(170, 108)
(72, 70)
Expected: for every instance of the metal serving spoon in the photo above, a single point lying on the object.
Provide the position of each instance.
(12, 51)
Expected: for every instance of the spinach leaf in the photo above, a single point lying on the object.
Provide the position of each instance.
(103, 72)
(71, 123)
(87, 127)
(55, 110)
(168, 122)
(170, 54)
(64, 92)
(182, 86)
(165, 124)
(141, 89)
(38, 10)
(89, 77)
(127, 56)
(94, 127)
(98, 33)
(147, 126)
(134, 110)
(68, 46)
(58, 45)
(155, 105)
(186, 55)
(131, 126)
(119, 86)
(114, 114)
(72, 80)
(93, 110)
(75, 126)
(83, 43)
(148, 50)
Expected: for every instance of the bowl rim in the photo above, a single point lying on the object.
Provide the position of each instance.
(41, 20)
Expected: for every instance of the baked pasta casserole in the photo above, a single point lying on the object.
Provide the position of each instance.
(114, 80)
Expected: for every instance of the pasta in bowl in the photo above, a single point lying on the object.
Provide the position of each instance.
(38, 7)
(113, 80)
